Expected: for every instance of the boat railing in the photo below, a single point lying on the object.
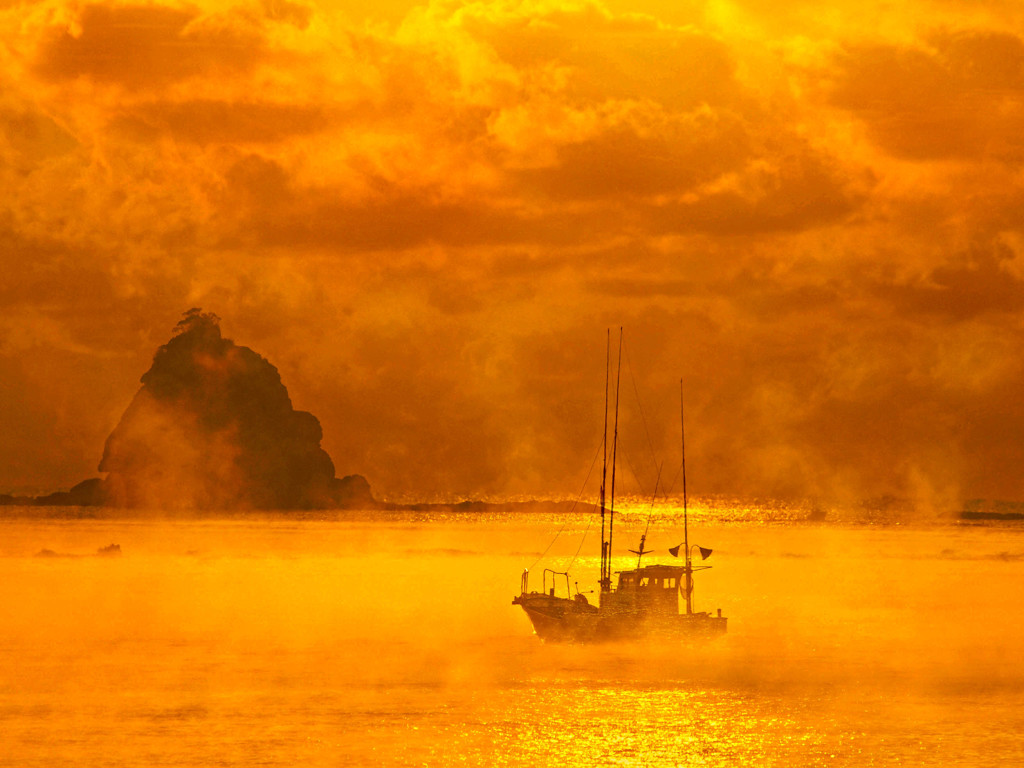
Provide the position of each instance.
(547, 571)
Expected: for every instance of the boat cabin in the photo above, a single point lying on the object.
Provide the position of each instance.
(651, 589)
(652, 577)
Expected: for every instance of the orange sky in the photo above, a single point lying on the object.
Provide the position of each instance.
(427, 217)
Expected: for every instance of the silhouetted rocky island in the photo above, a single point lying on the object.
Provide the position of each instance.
(213, 428)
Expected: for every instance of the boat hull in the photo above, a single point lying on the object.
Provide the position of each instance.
(558, 619)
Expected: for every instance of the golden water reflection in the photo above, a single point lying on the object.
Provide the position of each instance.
(394, 642)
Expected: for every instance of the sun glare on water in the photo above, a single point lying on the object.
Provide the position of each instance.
(394, 642)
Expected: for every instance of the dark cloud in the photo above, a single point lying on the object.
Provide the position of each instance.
(206, 121)
(263, 206)
(34, 136)
(141, 46)
(960, 97)
(966, 287)
(619, 163)
(791, 191)
(644, 288)
(603, 56)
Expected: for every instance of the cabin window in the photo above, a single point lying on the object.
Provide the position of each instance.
(644, 581)
(670, 583)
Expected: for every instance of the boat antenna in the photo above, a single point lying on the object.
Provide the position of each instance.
(605, 583)
(615, 443)
(686, 535)
(640, 551)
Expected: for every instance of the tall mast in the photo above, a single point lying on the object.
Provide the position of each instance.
(604, 582)
(615, 444)
(686, 536)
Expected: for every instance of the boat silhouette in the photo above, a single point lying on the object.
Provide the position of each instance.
(645, 601)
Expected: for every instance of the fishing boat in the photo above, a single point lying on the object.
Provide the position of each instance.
(645, 601)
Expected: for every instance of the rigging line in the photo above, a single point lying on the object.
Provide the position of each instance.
(571, 510)
(632, 471)
(668, 491)
(654, 498)
(640, 407)
(580, 547)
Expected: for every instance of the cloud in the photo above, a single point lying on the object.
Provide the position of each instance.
(970, 285)
(643, 157)
(138, 46)
(207, 121)
(795, 191)
(32, 137)
(428, 216)
(958, 95)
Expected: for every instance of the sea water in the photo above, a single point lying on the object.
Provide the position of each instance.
(391, 639)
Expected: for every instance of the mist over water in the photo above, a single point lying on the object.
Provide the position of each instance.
(391, 640)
